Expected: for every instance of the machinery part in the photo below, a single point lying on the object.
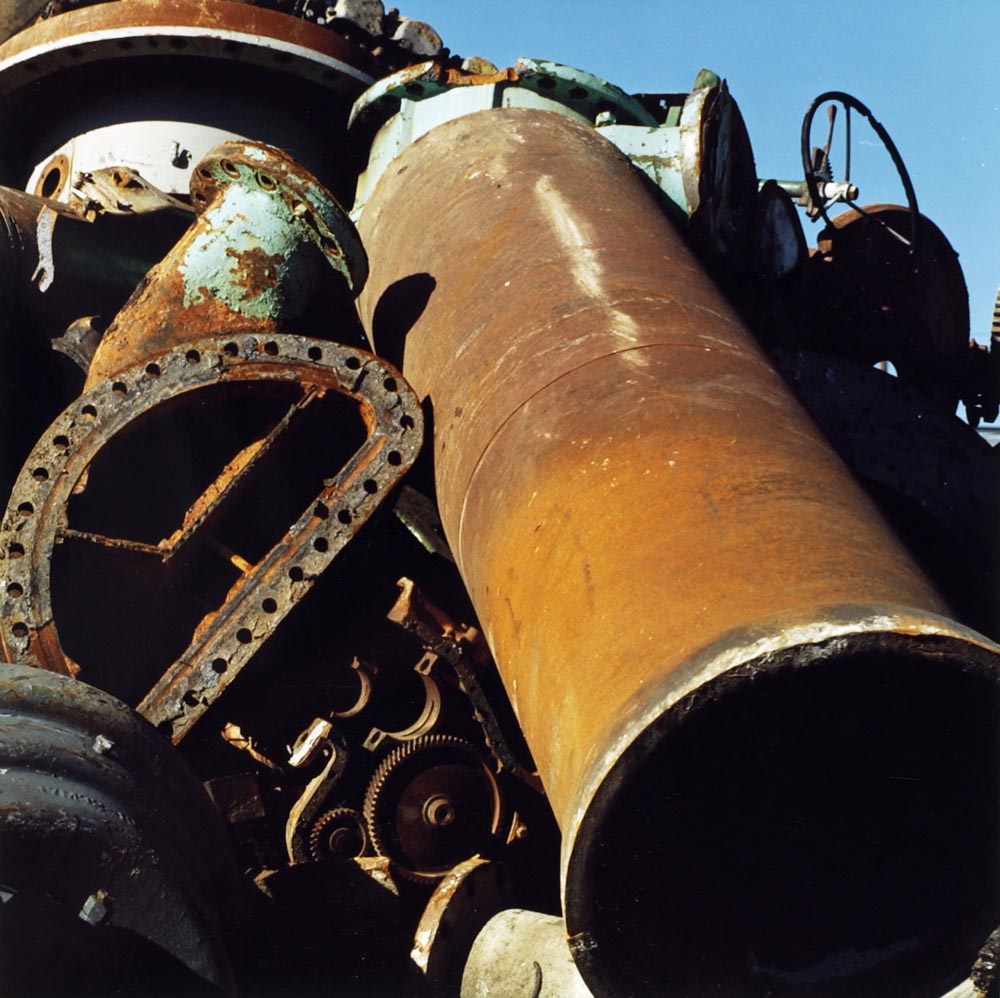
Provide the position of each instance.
(778, 242)
(522, 953)
(340, 832)
(718, 175)
(422, 724)
(250, 260)
(431, 804)
(694, 147)
(464, 649)
(80, 340)
(419, 515)
(611, 448)
(237, 797)
(37, 517)
(934, 481)
(878, 309)
(90, 169)
(818, 170)
(101, 817)
(232, 734)
(362, 672)
(121, 190)
(985, 974)
(317, 740)
(460, 906)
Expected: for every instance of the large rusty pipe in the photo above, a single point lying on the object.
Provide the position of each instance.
(769, 750)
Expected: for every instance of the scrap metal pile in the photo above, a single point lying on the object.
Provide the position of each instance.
(472, 481)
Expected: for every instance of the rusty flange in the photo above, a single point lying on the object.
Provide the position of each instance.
(165, 28)
(37, 517)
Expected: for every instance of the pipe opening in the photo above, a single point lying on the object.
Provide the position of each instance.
(820, 831)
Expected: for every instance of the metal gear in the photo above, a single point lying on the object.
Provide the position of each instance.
(431, 804)
(340, 832)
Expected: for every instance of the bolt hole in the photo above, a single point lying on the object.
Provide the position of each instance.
(546, 83)
(315, 353)
(271, 348)
(60, 440)
(331, 247)
(321, 511)
(231, 350)
(296, 574)
(89, 411)
(153, 370)
(344, 516)
(414, 89)
(192, 356)
(178, 43)
(199, 197)
(321, 544)
(15, 589)
(353, 363)
(266, 182)
(394, 458)
(191, 698)
(16, 551)
(204, 172)
(153, 43)
(244, 636)
(26, 509)
(269, 605)
(370, 486)
(20, 630)
(390, 384)
(407, 422)
(51, 182)
(124, 44)
(40, 474)
(230, 168)
(578, 93)
(220, 665)
(119, 388)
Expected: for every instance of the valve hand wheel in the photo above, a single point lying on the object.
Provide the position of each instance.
(822, 188)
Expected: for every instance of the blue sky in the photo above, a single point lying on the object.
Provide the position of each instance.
(929, 71)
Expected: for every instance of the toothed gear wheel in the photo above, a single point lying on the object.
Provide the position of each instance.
(338, 832)
(431, 804)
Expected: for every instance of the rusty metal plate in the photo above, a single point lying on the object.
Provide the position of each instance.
(226, 639)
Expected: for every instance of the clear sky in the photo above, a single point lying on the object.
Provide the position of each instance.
(928, 69)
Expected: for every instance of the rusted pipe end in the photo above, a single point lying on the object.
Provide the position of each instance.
(255, 260)
(314, 212)
(819, 819)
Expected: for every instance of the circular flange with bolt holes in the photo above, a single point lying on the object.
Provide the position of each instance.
(37, 515)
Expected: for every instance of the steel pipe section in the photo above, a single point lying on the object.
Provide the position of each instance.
(771, 753)
(114, 864)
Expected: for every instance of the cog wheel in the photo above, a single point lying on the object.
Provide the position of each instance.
(340, 832)
(431, 804)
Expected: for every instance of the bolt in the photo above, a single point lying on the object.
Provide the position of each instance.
(97, 908)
